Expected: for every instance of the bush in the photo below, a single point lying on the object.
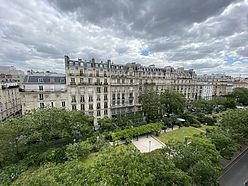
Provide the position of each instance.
(136, 131)
(206, 119)
(196, 125)
(10, 173)
(78, 150)
(57, 155)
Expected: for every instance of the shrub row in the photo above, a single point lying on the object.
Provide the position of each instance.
(136, 131)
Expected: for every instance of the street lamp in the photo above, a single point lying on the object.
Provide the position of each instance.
(149, 146)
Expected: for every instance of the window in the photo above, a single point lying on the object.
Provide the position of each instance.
(97, 73)
(41, 97)
(113, 96)
(81, 80)
(52, 104)
(98, 105)
(73, 99)
(73, 80)
(62, 80)
(123, 96)
(82, 107)
(82, 99)
(98, 98)
(131, 95)
(40, 80)
(90, 106)
(90, 81)
(105, 81)
(90, 90)
(105, 112)
(105, 89)
(105, 104)
(40, 88)
(90, 98)
(42, 105)
(98, 89)
(98, 113)
(131, 81)
(63, 103)
(105, 96)
(98, 81)
(118, 96)
(74, 107)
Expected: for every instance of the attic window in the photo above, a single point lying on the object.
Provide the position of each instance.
(40, 80)
(62, 80)
(52, 80)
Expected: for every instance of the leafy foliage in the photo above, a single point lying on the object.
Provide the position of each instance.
(136, 131)
(150, 101)
(199, 159)
(40, 130)
(223, 142)
(241, 94)
(78, 150)
(155, 105)
(235, 124)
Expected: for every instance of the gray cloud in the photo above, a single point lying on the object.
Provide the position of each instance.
(196, 34)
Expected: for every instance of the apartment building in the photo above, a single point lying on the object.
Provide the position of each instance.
(106, 89)
(41, 90)
(220, 82)
(10, 103)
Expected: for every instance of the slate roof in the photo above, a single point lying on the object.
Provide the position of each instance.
(36, 79)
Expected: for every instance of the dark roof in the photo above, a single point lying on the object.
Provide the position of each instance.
(33, 79)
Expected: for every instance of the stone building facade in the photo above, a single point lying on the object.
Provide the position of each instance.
(10, 103)
(43, 90)
(106, 89)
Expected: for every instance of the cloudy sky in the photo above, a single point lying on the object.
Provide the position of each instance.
(210, 36)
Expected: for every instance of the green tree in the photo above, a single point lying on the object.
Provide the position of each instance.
(241, 94)
(172, 102)
(199, 159)
(235, 124)
(31, 135)
(206, 106)
(150, 101)
(223, 142)
(165, 171)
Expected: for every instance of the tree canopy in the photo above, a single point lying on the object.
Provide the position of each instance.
(155, 104)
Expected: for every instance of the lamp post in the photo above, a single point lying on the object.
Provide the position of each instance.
(149, 146)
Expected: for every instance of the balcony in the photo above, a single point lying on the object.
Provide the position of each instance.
(72, 83)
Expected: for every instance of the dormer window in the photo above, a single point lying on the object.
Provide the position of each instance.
(40, 80)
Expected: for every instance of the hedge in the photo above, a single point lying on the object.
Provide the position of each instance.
(136, 131)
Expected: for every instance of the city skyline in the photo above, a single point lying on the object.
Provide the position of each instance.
(209, 37)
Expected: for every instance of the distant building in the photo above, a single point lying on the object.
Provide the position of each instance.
(240, 83)
(41, 90)
(10, 103)
(207, 90)
(220, 83)
(10, 72)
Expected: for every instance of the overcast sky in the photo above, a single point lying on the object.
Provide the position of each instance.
(210, 36)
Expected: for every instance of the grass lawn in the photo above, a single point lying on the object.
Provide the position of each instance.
(179, 134)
